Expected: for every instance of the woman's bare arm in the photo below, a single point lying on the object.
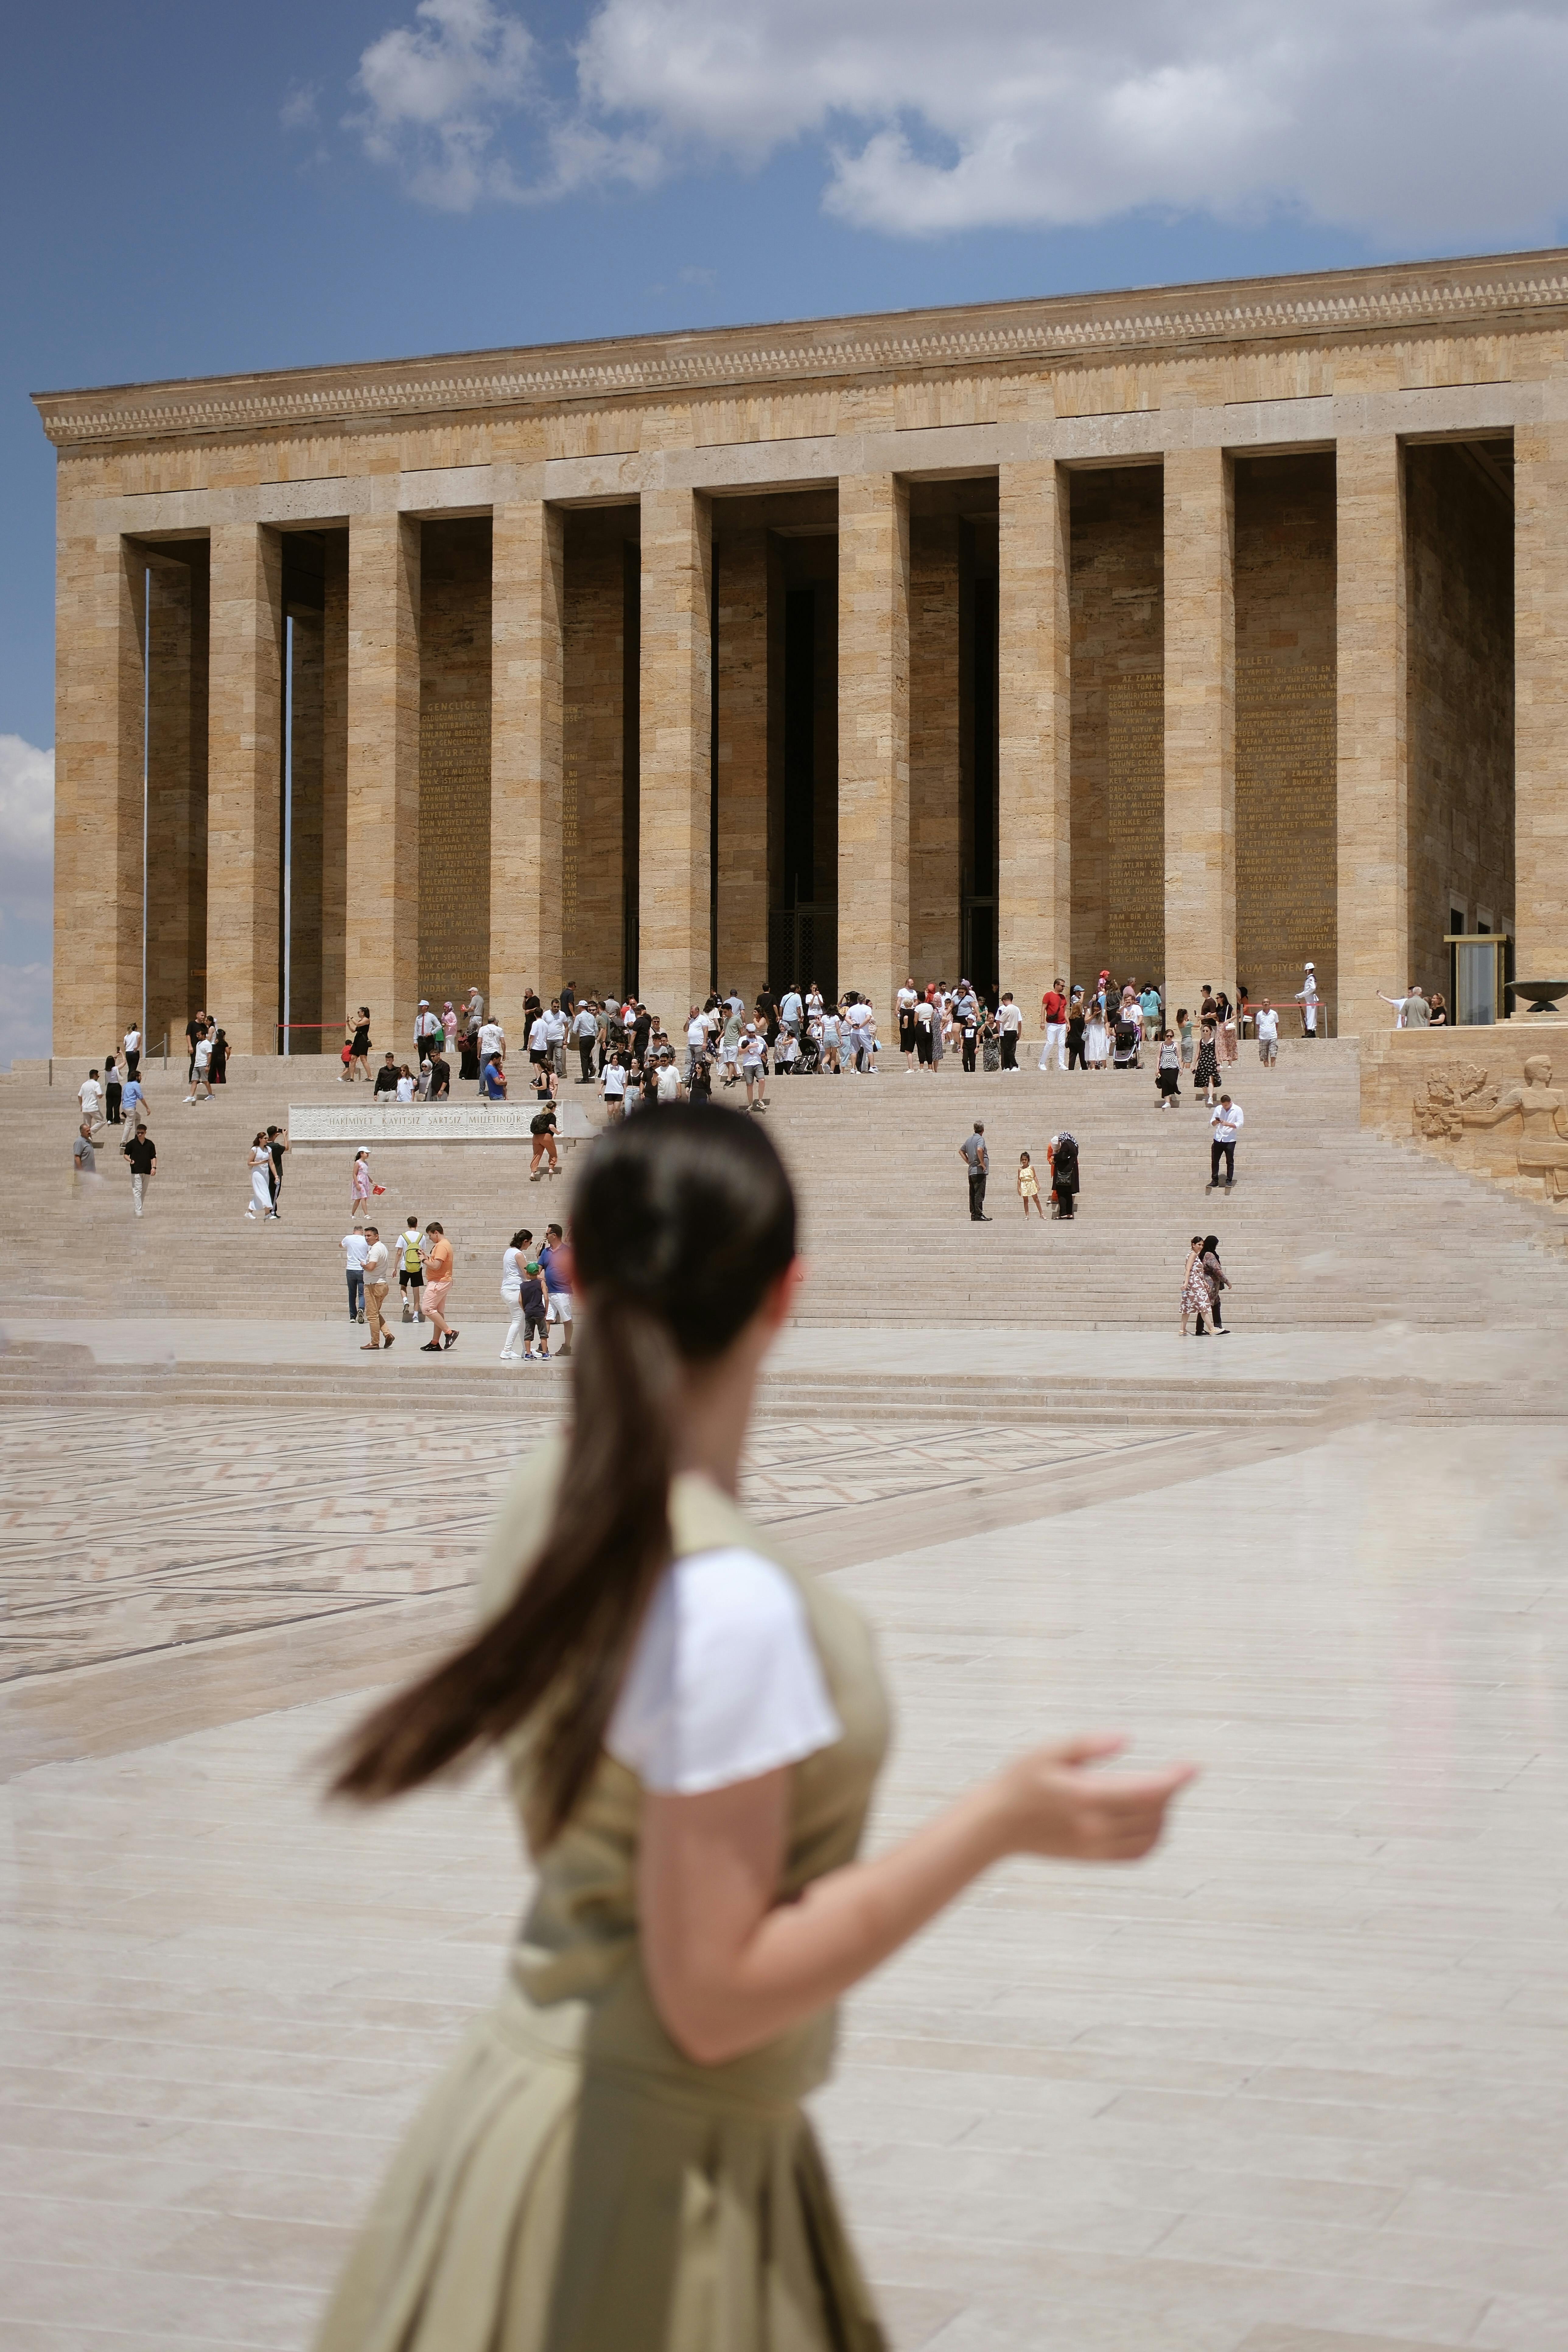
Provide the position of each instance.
(730, 1966)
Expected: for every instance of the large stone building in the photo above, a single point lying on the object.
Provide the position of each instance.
(1193, 633)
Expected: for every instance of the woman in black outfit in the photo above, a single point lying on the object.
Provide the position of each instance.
(219, 1062)
(1075, 1036)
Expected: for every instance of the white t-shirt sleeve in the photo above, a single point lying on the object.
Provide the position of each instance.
(724, 1683)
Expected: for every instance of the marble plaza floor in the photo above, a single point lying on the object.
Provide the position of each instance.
(1295, 2086)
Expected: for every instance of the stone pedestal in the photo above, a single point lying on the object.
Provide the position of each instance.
(675, 759)
(1200, 726)
(1373, 791)
(526, 772)
(383, 861)
(874, 741)
(1034, 911)
(244, 754)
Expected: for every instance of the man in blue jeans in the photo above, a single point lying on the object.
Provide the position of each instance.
(1226, 1121)
(356, 1249)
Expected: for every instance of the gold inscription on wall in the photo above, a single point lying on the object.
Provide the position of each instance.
(1285, 823)
(454, 846)
(1135, 808)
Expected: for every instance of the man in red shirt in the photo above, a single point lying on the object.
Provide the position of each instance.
(1054, 1007)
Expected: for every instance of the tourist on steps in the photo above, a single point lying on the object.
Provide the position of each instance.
(375, 1288)
(1061, 1158)
(1266, 1028)
(694, 1732)
(1225, 1123)
(356, 1249)
(977, 1161)
(1168, 1076)
(437, 1283)
(1217, 1279)
(260, 1164)
(1030, 1187)
(1196, 1297)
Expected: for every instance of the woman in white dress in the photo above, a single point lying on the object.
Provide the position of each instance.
(260, 1178)
(511, 1260)
(1096, 1036)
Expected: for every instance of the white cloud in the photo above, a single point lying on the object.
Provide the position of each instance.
(26, 802)
(298, 111)
(1412, 121)
(434, 93)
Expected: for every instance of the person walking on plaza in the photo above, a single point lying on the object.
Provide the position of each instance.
(358, 1046)
(111, 1089)
(356, 1250)
(1168, 1077)
(440, 1086)
(1217, 1280)
(277, 1145)
(1206, 1075)
(905, 1003)
(542, 1128)
(217, 1067)
(141, 1155)
(1196, 1297)
(426, 1030)
(261, 1165)
(84, 1158)
(618, 2159)
(132, 1041)
(1074, 1032)
(1030, 1187)
(1265, 1026)
(1009, 1023)
(585, 1037)
(969, 1033)
(375, 1288)
(132, 1101)
(437, 1283)
(754, 1068)
(1225, 1122)
(1054, 1011)
(1061, 1158)
(511, 1259)
(411, 1273)
(90, 1093)
(201, 1063)
(977, 1162)
(1096, 1036)
(614, 1084)
(555, 1264)
(196, 1028)
(535, 1311)
(360, 1185)
(448, 1029)
(1226, 1028)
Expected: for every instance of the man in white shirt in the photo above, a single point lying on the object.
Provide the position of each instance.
(133, 1050)
(1412, 1012)
(201, 1085)
(555, 1037)
(90, 1093)
(1307, 998)
(584, 1036)
(491, 1039)
(427, 1029)
(356, 1249)
(1010, 1023)
(1266, 1023)
(696, 1040)
(792, 1011)
(1225, 1122)
(375, 1277)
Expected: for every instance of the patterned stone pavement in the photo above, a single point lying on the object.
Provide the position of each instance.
(123, 1533)
(1296, 2086)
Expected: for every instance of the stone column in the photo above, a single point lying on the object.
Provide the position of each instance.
(1374, 845)
(527, 619)
(741, 781)
(1541, 701)
(936, 751)
(176, 638)
(675, 722)
(874, 741)
(1200, 726)
(381, 863)
(245, 758)
(334, 785)
(98, 619)
(1034, 910)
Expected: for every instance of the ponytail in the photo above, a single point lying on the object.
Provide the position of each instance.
(683, 1220)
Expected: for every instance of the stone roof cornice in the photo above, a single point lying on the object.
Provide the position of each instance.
(1508, 292)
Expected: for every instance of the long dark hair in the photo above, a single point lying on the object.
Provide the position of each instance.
(682, 1220)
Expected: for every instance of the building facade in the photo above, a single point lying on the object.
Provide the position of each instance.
(1193, 632)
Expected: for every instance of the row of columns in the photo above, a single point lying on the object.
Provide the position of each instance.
(99, 740)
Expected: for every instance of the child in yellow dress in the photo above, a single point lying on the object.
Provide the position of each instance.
(1028, 1186)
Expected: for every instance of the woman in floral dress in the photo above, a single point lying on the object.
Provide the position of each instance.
(1196, 1297)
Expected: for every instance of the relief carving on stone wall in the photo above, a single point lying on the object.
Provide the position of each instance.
(1438, 1110)
(1542, 1108)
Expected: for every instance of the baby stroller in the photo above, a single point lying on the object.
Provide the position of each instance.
(1124, 1051)
(810, 1057)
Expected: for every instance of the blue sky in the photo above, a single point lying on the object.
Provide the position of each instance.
(191, 189)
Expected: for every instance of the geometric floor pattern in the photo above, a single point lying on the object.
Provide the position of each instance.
(127, 1532)
(1295, 2085)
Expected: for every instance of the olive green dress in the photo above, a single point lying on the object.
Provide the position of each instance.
(575, 2183)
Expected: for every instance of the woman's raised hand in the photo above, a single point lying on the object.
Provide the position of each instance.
(1050, 1802)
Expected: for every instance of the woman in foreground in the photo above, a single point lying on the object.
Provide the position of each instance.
(615, 2160)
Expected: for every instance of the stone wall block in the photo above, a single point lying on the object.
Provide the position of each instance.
(1200, 725)
(874, 740)
(245, 762)
(382, 859)
(1540, 710)
(528, 607)
(1374, 781)
(675, 722)
(936, 764)
(1034, 910)
(741, 781)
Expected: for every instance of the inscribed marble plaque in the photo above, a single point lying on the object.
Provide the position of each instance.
(454, 838)
(1135, 797)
